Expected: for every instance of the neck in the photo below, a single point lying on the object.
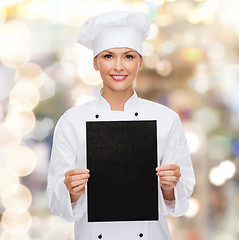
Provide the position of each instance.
(117, 99)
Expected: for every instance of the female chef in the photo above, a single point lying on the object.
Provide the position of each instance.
(116, 39)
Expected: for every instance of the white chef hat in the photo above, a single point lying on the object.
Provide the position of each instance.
(115, 29)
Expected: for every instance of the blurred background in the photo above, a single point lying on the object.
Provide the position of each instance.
(190, 65)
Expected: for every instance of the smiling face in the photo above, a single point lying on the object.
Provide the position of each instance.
(118, 68)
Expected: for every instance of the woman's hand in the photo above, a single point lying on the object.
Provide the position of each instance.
(75, 181)
(169, 176)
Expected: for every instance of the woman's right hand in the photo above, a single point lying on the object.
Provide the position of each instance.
(75, 181)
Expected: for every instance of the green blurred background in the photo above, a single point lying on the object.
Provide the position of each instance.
(190, 65)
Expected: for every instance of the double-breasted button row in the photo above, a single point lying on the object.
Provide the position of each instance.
(97, 115)
(140, 235)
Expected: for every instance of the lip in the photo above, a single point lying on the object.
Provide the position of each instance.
(122, 77)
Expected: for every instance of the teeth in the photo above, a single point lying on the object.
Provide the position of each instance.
(118, 77)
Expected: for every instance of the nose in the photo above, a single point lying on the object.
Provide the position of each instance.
(119, 64)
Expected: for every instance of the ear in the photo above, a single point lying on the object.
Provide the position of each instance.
(95, 64)
(140, 63)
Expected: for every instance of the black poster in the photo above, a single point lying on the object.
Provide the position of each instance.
(122, 157)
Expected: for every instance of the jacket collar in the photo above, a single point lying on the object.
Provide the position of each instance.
(127, 106)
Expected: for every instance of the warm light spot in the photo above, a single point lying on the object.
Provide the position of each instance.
(148, 49)
(216, 50)
(16, 220)
(48, 89)
(2, 15)
(68, 12)
(7, 178)
(22, 161)
(6, 235)
(216, 177)
(164, 68)
(140, 6)
(14, 49)
(228, 168)
(192, 54)
(193, 208)
(22, 31)
(21, 198)
(151, 61)
(16, 56)
(153, 31)
(31, 9)
(193, 141)
(8, 141)
(164, 20)
(81, 57)
(62, 72)
(42, 129)
(90, 78)
(24, 96)
(20, 123)
(203, 13)
(158, 2)
(10, 2)
(30, 72)
(165, 48)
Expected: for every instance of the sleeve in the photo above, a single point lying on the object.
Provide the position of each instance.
(63, 158)
(177, 152)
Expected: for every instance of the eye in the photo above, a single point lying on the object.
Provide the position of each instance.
(107, 56)
(129, 56)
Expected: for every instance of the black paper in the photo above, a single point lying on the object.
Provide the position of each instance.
(122, 157)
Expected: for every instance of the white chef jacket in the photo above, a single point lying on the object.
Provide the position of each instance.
(69, 152)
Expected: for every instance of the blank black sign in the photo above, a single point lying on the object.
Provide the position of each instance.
(122, 157)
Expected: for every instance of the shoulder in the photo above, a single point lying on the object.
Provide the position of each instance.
(157, 109)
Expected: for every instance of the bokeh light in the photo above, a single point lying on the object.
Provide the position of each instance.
(21, 198)
(16, 220)
(193, 208)
(192, 54)
(7, 177)
(6, 235)
(24, 96)
(31, 9)
(20, 122)
(148, 49)
(2, 15)
(151, 61)
(193, 141)
(218, 175)
(8, 140)
(22, 160)
(62, 72)
(14, 49)
(163, 68)
(30, 72)
(153, 32)
(81, 56)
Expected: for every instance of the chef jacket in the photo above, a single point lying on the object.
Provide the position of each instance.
(69, 152)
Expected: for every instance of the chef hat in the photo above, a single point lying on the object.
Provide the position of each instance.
(115, 29)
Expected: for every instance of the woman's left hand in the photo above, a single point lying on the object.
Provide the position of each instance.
(169, 176)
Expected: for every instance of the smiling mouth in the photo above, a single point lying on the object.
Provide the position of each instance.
(118, 77)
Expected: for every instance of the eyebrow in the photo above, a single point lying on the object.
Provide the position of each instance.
(124, 52)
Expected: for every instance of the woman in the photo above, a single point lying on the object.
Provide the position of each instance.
(117, 42)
